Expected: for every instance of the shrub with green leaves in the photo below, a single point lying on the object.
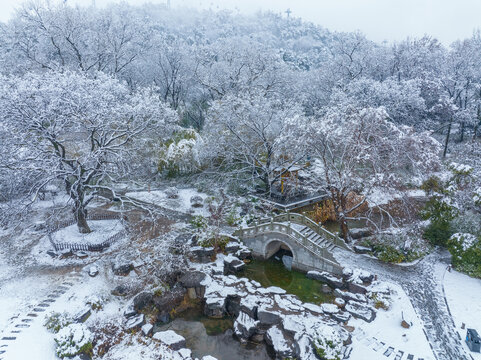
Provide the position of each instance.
(199, 222)
(390, 254)
(232, 218)
(74, 339)
(56, 321)
(465, 249)
(440, 214)
(327, 343)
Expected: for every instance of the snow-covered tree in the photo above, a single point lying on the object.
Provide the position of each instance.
(77, 131)
(358, 151)
(243, 136)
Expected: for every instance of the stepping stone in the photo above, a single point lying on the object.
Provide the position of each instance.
(2, 352)
(379, 346)
(9, 338)
(62, 288)
(49, 301)
(410, 357)
(39, 309)
(399, 355)
(32, 315)
(68, 284)
(16, 331)
(44, 305)
(52, 296)
(27, 320)
(22, 326)
(388, 351)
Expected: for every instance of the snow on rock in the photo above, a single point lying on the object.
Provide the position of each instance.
(245, 326)
(170, 338)
(361, 311)
(283, 346)
(329, 308)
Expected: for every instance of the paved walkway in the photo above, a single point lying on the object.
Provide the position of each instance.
(423, 284)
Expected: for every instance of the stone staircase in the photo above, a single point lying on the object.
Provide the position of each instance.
(317, 239)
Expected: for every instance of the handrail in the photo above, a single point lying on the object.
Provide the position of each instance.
(297, 236)
(304, 220)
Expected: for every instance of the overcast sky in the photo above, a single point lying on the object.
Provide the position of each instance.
(380, 20)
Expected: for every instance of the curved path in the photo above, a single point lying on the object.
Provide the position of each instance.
(423, 284)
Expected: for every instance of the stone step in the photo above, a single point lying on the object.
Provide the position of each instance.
(388, 351)
(22, 325)
(38, 309)
(44, 305)
(9, 338)
(32, 315)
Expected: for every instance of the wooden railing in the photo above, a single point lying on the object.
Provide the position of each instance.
(304, 220)
(297, 236)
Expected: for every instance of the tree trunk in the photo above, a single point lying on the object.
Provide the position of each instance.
(80, 214)
(344, 229)
(447, 138)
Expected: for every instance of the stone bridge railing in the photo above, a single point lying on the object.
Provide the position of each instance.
(297, 236)
(304, 220)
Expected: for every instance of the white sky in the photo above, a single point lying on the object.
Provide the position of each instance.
(380, 20)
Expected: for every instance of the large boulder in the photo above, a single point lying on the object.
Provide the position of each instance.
(135, 322)
(349, 296)
(267, 316)
(232, 305)
(360, 311)
(196, 201)
(331, 280)
(214, 307)
(170, 338)
(122, 267)
(168, 301)
(283, 345)
(245, 326)
(232, 265)
(192, 282)
(143, 300)
(359, 233)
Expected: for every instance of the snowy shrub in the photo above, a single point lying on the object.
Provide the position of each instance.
(432, 185)
(465, 249)
(477, 196)
(199, 222)
(327, 343)
(440, 213)
(232, 218)
(73, 340)
(390, 254)
(56, 321)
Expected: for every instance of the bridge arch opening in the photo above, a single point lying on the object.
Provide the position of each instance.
(278, 247)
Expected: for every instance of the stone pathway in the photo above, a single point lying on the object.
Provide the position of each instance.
(390, 352)
(20, 322)
(424, 288)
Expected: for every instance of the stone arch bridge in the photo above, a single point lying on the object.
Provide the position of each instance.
(310, 244)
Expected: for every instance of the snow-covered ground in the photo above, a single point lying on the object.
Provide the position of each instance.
(101, 231)
(181, 204)
(463, 295)
(387, 329)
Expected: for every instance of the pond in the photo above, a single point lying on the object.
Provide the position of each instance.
(272, 272)
(205, 336)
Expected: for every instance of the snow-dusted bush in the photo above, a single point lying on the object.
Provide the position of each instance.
(56, 321)
(72, 340)
(327, 343)
(477, 196)
(466, 251)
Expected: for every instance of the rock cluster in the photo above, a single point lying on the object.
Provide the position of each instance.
(269, 314)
